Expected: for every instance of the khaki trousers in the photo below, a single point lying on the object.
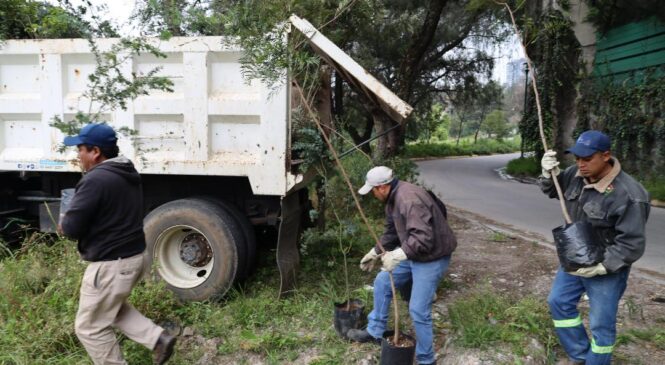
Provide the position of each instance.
(103, 306)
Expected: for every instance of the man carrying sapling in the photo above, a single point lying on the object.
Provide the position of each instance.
(597, 191)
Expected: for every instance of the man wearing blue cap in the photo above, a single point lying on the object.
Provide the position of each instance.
(106, 217)
(597, 191)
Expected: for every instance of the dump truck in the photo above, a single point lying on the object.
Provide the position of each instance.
(214, 154)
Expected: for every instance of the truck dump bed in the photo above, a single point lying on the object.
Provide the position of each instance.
(214, 123)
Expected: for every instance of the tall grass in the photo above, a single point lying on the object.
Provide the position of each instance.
(39, 298)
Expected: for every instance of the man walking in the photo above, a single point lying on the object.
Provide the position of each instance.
(419, 243)
(599, 192)
(106, 217)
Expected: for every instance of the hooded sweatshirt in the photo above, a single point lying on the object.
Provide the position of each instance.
(106, 213)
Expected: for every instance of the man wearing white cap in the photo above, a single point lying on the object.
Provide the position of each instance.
(418, 242)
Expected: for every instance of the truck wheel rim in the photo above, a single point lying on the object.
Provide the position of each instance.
(184, 256)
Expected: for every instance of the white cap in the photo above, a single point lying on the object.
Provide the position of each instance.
(379, 175)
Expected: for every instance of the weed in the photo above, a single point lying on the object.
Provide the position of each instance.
(635, 310)
(498, 237)
(485, 318)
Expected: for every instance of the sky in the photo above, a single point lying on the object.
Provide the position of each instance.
(120, 10)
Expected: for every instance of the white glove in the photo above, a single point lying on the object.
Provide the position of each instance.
(367, 262)
(549, 164)
(392, 258)
(589, 272)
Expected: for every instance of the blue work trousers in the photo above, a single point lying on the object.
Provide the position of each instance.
(425, 277)
(604, 292)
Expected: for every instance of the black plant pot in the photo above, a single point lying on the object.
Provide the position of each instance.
(576, 246)
(349, 318)
(397, 355)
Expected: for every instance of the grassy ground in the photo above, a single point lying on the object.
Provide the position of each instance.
(491, 302)
(465, 148)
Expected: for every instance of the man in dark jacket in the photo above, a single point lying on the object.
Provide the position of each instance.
(419, 242)
(597, 191)
(106, 217)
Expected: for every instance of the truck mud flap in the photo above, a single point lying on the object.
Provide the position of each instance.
(288, 257)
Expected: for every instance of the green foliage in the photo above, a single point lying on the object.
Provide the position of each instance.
(524, 167)
(554, 51)
(656, 187)
(496, 125)
(434, 124)
(631, 113)
(23, 19)
(608, 14)
(465, 148)
(485, 318)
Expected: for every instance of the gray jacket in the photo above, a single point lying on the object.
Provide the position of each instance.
(415, 223)
(617, 206)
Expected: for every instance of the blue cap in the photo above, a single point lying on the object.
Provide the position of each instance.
(589, 143)
(94, 134)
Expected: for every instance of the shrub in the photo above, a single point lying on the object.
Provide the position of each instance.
(527, 166)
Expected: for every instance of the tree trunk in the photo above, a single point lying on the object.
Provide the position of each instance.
(388, 144)
(323, 101)
(461, 126)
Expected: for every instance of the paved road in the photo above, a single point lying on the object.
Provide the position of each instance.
(473, 184)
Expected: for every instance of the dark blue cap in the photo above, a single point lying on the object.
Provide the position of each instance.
(94, 134)
(589, 143)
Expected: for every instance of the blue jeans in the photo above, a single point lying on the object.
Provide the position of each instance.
(604, 292)
(425, 277)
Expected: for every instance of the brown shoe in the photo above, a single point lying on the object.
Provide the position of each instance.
(163, 348)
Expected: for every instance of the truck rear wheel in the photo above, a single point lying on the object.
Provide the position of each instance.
(248, 234)
(196, 247)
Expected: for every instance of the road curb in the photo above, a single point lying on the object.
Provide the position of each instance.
(657, 203)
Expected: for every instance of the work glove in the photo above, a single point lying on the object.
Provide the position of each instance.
(392, 258)
(589, 272)
(549, 164)
(367, 262)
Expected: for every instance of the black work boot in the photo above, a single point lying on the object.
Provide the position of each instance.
(163, 348)
(362, 336)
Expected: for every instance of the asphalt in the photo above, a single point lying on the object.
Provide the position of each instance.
(473, 184)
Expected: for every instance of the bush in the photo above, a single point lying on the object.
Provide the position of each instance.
(527, 166)
(465, 148)
(656, 188)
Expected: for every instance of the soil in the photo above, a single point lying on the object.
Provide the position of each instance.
(505, 260)
(344, 308)
(401, 341)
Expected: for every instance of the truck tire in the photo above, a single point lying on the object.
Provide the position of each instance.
(195, 247)
(248, 234)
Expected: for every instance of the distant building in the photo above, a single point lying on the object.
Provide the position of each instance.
(514, 71)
